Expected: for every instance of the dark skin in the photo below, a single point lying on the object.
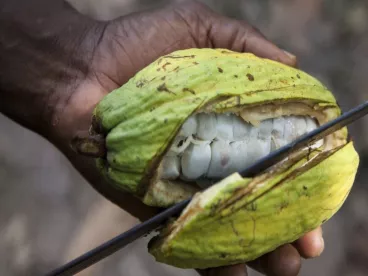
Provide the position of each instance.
(58, 64)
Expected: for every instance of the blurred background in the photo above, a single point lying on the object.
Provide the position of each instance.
(49, 214)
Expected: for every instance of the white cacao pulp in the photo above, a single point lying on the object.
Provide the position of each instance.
(211, 146)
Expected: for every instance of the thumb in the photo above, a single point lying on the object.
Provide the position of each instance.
(239, 36)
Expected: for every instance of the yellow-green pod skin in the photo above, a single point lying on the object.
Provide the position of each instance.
(239, 219)
(143, 116)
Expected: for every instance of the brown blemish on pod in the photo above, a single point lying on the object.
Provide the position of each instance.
(141, 83)
(163, 88)
(223, 255)
(191, 56)
(164, 66)
(250, 77)
(185, 89)
(283, 205)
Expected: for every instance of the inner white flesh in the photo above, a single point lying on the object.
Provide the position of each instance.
(212, 146)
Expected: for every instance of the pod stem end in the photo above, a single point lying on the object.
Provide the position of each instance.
(89, 145)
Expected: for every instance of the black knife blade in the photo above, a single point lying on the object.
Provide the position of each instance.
(120, 241)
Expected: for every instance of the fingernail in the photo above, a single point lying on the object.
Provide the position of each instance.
(322, 245)
(319, 245)
(291, 59)
(290, 54)
(322, 241)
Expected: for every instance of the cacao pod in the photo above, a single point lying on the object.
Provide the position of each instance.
(204, 114)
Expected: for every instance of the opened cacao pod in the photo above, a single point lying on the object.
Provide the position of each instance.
(188, 123)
